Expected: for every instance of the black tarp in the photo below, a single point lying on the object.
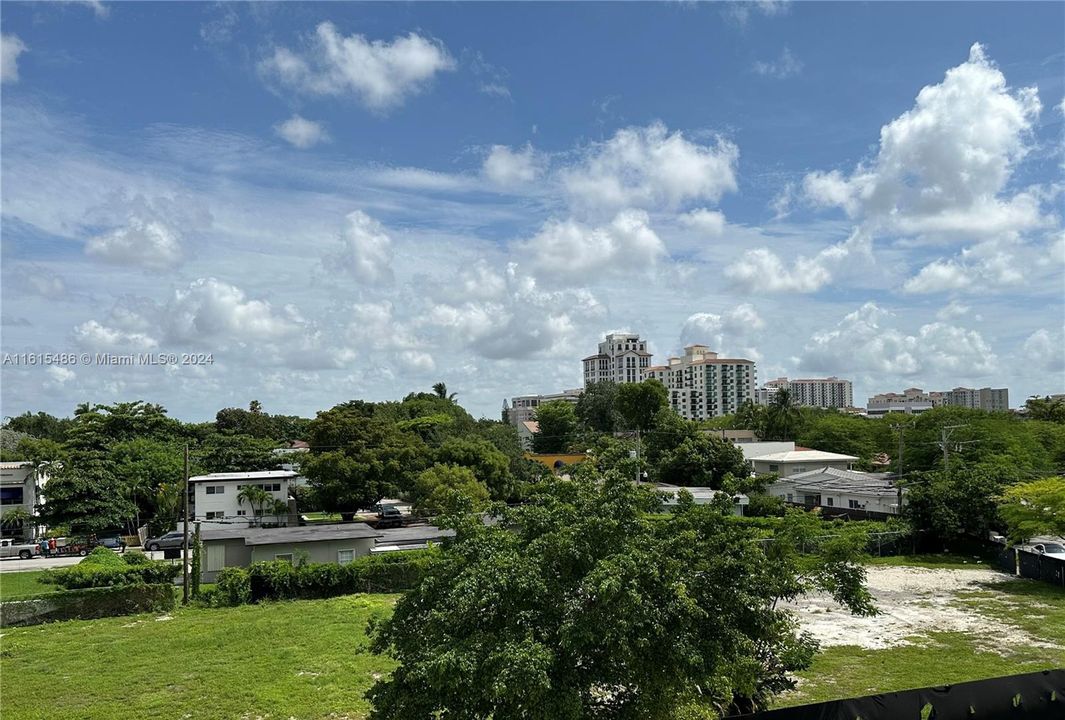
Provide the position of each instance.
(1033, 696)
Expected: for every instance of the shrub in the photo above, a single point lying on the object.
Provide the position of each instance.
(87, 604)
(232, 586)
(393, 572)
(104, 557)
(136, 557)
(94, 574)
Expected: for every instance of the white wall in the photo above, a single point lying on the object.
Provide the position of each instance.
(227, 503)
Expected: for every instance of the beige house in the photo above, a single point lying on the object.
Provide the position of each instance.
(799, 460)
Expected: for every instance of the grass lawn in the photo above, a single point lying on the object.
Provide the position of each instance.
(18, 584)
(950, 561)
(938, 658)
(307, 660)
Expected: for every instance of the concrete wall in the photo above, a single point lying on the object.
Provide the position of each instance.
(788, 469)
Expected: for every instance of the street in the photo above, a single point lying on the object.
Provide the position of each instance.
(43, 563)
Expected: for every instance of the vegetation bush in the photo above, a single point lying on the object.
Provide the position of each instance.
(88, 604)
(279, 580)
(232, 587)
(96, 570)
(136, 558)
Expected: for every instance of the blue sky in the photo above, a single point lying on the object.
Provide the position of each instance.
(346, 200)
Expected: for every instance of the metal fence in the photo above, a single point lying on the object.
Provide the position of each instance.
(1033, 696)
(881, 544)
(1032, 565)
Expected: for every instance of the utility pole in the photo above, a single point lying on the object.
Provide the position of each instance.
(898, 468)
(944, 435)
(185, 537)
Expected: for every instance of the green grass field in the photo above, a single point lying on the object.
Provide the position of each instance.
(949, 561)
(306, 660)
(19, 584)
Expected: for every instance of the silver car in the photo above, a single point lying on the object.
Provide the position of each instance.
(172, 539)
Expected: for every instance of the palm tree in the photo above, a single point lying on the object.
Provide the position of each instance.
(441, 392)
(279, 510)
(256, 497)
(783, 416)
(15, 518)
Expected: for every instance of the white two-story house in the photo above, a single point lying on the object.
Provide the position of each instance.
(217, 498)
(21, 488)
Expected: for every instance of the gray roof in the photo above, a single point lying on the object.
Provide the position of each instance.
(829, 479)
(411, 535)
(301, 534)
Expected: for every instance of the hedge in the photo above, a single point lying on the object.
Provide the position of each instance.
(279, 580)
(99, 570)
(87, 604)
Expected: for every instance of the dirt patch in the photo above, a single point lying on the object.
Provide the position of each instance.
(912, 603)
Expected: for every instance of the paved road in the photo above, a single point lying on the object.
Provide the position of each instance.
(42, 563)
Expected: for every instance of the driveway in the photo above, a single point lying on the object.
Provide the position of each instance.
(43, 563)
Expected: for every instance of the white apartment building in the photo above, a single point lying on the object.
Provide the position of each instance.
(622, 358)
(701, 385)
(991, 399)
(831, 392)
(911, 401)
(837, 490)
(216, 497)
(21, 488)
(522, 408)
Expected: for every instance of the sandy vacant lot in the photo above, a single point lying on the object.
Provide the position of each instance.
(914, 601)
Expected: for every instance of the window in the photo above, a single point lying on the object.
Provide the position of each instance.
(216, 489)
(854, 505)
(284, 557)
(774, 468)
(215, 515)
(345, 556)
(829, 502)
(241, 513)
(790, 498)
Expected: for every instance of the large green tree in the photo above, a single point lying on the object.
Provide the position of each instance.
(357, 460)
(448, 489)
(580, 604)
(950, 506)
(1034, 508)
(638, 403)
(703, 461)
(596, 407)
(488, 465)
(557, 422)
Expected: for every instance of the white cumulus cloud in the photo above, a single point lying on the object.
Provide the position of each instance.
(783, 67)
(366, 250)
(301, 132)
(1046, 350)
(708, 222)
(507, 167)
(570, 250)
(382, 75)
(209, 309)
(762, 270)
(10, 48)
(95, 336)
(651, 167)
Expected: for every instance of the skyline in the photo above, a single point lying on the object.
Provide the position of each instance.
(344, 201)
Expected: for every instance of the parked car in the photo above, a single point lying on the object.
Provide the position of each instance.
(115, 543)
(1050, 549)
(173, 539)
(389, 517)
(9, 548)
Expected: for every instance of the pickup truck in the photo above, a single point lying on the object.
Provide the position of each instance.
(9, 549)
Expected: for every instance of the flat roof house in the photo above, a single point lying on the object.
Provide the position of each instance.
(800, 460)
(241, 546)
(21, 487)
(217, 498)
(235, 546)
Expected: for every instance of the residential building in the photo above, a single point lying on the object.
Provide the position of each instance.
(830, 392)
(702, 385)
(622, 358)
(526, 430)
(523, 407)
(229, 546)
(760, 448)
(991, 399)
(216, 497)
(700, 496)
(911, 401)
(21, 488)
(799, 460)
(837, 492)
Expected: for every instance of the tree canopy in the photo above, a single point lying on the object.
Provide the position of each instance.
(582, 603)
